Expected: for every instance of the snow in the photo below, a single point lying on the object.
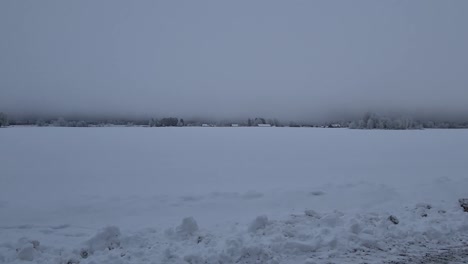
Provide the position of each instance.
(223, 195)
(188, 227)
(108, 238)
(259, 223)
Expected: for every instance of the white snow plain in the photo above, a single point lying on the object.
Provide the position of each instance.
(232, 195)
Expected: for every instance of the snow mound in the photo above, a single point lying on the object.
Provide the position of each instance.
(188, 227)
(312, 213)
(259, 223)
(27, 253)
(311, 237)
(335, 235)
(106, 239)
(27, 249)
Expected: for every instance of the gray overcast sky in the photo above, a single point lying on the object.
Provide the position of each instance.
(284, 59)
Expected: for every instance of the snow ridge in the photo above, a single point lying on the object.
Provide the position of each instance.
(306, 238)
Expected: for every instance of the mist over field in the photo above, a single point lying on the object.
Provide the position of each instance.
(300, 60)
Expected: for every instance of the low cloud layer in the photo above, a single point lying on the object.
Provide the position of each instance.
(308, 60)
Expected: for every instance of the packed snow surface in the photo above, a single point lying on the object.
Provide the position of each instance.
(232, 195)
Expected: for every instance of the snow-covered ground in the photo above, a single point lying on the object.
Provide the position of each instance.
(232, 195)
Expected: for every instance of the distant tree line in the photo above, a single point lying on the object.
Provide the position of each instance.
(3, 120)
(166, 122)
(374, 121)
(368, 121)
(262, 121)
(62, 122)
(173, 121)
(154, 122)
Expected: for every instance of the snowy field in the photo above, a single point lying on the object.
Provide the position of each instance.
(232, 195)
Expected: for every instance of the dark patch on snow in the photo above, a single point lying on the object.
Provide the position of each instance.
(73, 261)
(442, 256)
(191, 198)
(84, 253)
(464, 204)
(60, 226)
(317, 193)
(394, 219)
(252, 195)
(312, 213)
(423, 209)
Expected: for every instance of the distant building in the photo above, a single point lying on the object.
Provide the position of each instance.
(205, 125)
(235, 125)
(335, 126)
(264, 125)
